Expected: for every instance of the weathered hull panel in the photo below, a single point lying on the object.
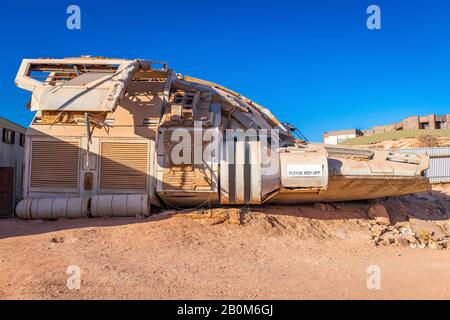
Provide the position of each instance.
(124, 135)
(342, 188)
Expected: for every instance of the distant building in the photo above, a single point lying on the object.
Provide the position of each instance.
(431, 121)
(336, 137)
(11, 165)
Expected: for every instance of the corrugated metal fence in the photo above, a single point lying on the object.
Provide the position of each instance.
(439, 170)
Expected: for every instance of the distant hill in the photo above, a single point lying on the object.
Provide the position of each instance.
(404, 139)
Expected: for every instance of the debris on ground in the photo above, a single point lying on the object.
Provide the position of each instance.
(415, 221)
(213, 216)
(403, 234)
(234, 252)
(379, 213)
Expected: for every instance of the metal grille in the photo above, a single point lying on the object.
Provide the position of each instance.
(123, 165)
(54, 164)
(439, 169)
(186, 177)
(6, 192)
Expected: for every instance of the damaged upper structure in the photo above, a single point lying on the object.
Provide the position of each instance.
(111, 137)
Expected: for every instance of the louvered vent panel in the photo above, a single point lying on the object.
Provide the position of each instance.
(54, 164)
(124, 165)
(184, 177)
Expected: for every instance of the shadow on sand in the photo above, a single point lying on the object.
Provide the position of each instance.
(429, 206)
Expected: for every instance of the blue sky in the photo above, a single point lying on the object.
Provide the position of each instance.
(313, 63)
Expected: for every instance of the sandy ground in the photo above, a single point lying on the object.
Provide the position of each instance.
(301, 252)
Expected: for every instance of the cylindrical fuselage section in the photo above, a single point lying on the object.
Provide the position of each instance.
(120, 205)
(52, 208)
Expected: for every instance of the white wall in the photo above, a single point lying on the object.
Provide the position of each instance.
(12, 155)
(338, 139)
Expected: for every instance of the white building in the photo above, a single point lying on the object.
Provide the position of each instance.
(337, 137)
(11, 165)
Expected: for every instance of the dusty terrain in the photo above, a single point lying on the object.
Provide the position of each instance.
(296, 252)
(407, 143)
